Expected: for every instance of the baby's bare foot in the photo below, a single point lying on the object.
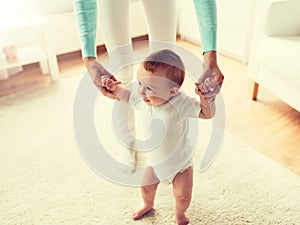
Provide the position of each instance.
(137, 214)
(181, 219)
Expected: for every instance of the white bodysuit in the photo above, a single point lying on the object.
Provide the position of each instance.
(168, 148)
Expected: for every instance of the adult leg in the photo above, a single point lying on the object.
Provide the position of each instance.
(114, 25)
(182, 189)
(115, 30)
(161, 20)
(148, 191)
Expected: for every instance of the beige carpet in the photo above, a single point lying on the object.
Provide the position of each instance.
(44, 180)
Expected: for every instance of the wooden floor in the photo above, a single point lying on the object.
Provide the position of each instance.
(268, 124)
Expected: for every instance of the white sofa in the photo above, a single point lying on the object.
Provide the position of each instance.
(275, 55)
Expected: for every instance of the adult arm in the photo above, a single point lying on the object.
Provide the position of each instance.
(207, 22)
(86, 18)
(206, 12)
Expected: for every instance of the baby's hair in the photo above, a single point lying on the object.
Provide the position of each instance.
(169, 63)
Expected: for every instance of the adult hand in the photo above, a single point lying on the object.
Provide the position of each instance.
(203, 95)
(211, 80)
(97, 73)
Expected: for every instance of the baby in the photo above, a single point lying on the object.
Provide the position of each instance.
(158, 96)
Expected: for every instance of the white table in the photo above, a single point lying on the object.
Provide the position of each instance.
(33, 45)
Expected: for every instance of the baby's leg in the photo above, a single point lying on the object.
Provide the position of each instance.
(148, 193)
(182, 189)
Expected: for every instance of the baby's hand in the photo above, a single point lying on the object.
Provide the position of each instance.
(109, 83)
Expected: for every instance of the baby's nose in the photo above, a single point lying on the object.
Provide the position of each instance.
(142, 91)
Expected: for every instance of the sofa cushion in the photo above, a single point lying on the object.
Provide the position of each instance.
(46, 7)
(281, 55)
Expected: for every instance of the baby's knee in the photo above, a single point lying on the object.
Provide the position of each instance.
(183, 197)
(149, 188)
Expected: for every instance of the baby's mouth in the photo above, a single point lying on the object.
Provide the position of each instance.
(146, 100)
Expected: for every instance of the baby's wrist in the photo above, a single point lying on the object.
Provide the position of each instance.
(207, 99)
(116, 90)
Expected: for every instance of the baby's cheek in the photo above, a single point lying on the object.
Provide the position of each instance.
(157, 100)
(155, 95)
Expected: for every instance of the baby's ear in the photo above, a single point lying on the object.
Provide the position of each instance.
(174, 91)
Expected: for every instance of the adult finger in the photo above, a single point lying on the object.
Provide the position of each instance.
(219, 78)
(210, 83)
(206, 73)
(213, 93)
(203, 87)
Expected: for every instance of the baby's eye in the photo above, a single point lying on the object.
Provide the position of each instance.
(148, 88)
(139, 83)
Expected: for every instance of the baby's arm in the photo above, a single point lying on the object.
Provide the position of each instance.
(207, 104)
(113, 87)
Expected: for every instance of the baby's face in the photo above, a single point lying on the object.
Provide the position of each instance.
(154, 87)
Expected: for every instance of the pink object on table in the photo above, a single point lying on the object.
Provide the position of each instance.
(10, 52)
